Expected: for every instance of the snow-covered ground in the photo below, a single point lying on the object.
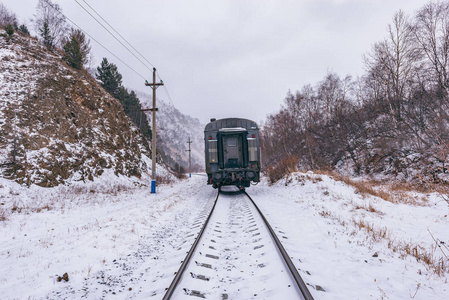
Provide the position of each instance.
(116, 240)
(317, 217)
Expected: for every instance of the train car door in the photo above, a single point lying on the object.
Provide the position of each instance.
(232, 151)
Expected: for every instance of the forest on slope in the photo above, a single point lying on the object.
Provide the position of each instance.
(392, 122)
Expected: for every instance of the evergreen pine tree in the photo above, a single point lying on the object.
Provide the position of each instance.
(111, 81)
(9, 30)
(84, 44)
(24, 29)
(110, 78)
(46, 36)
(72, 54)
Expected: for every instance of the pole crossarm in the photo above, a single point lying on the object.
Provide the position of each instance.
(154, 85)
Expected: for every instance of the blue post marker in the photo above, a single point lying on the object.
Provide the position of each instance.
(190, 174)
(153, 186)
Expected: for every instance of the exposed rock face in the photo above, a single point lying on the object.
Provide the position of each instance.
(174, 130)
(58, 123)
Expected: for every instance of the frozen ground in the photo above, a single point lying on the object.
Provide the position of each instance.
(115, 240)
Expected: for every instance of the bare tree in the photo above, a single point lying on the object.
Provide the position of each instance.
(392, 64)
(7, 17)
(333, 93)
(431, 31)
(310, 105)
(50, 23)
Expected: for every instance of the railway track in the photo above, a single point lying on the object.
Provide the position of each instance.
(237, 256)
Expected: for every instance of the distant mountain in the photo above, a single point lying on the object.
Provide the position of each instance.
(173, 130)
(58, 124)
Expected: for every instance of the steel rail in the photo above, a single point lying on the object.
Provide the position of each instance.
(301, 284)
(178, 276)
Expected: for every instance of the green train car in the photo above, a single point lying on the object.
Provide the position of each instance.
(232, 152)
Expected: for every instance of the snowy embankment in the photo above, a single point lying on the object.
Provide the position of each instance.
(113, 238)
(355, 246)
(108, 236)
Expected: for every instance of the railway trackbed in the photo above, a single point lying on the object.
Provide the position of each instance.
(237, 256)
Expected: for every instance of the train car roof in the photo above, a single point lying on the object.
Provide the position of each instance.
(233, 129)
(231, 123)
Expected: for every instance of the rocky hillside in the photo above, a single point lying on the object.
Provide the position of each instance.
(173, 131)
(57, 123)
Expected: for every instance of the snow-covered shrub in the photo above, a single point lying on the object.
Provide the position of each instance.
(279, 170)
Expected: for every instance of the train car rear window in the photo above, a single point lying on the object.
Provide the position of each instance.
(232, 141)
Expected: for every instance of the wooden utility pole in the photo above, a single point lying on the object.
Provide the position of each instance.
(154, 86)
(190, 158)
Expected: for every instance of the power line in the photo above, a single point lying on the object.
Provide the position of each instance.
(112, 33)
(120, 36)
(124, 39)
(51, 5)
(104, 47)
(168, 96)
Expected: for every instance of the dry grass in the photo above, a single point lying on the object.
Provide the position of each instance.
(164, 179)
(365, 188)
(3, 214)
(62, 198)
(325, 214)
(437, 265)
(308, 177)
(377, 234)
(443, 191)
(46, 207)
(328, 214)
(392, 192)
(368, 207)
(395, 193)
(276, 172)
(16, 207)
(36, 207)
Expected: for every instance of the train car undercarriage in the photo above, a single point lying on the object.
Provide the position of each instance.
(240, 178)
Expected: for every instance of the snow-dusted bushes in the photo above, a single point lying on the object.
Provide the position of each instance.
(283, 168)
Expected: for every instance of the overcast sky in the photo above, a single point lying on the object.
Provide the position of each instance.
(233, 58)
